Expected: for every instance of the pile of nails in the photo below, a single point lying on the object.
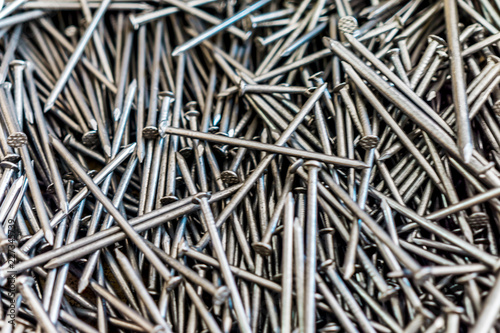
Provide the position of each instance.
(237, 166)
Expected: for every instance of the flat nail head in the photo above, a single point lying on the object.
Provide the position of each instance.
(15, 63)
(229, 177)
(339, 87)
(71, 31)
(393, 52)
(90, 138)
(496, 107)
(347, 24)
(192, 113)
(262, 248)
(312, 165)
(325, 264)
(221, 295)
(478, 220)
(168, 199)
(242, 87)
(17, 140)
(9, 165)
(369, 141)
(316, 76)
(173, 282)
(198, 197)
(165, 94)
(191, 105)
(438, 39)
(25, 281)
(133, 21)
(150, 132)
(12, 157)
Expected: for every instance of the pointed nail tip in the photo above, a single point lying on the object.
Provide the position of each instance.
(116, 114)
(383, 157)
(133, 146)
(64, 208)
(107, 150)
(51, 264)
(47, 107)
(177, 51)
(49, 237)
(119, 254)
(349, 36)
(347, 275)
(466, 153)
(93, 124)
(285, 54)
(82, 285)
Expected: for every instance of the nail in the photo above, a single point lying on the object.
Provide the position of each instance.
(202, 310)
(394, 55)
(270, 89)
(150, 131)
(431, 71)
(208, 18)
(458, 84)
(9, 51)
(25, 284)
(80, 48)
(146, 17)
(141, 290)
(266, 147)
(287, 265)
(167, 98)
(44, 135)
(202, 200)
(264, 247)
(117, 303)
(405, 55)
(174, 140)
(313, 168)
(220, 294)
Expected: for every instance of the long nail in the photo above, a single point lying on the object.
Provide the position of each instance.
(201, 307)
(174, 140)
(266, 147)
(264, 247)
(65, 75)
(311, 233)
(141, 290)
(118, 304)
(44, 135)
(25, 286)
(206, 17)
(220, 294)
(458, 81)
(202, 200)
